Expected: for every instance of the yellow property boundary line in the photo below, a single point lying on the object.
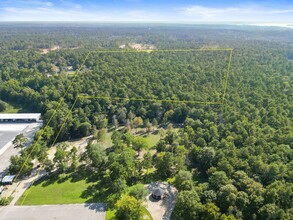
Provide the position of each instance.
(172, 51)
(116, 98)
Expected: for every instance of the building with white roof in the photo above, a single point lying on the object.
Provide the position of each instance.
(20, 117)
(8, 179)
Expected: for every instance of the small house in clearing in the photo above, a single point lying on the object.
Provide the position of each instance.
(159, 193)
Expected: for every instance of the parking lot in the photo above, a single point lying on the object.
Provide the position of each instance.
(8, 132)
(6, 137)
(91, 211)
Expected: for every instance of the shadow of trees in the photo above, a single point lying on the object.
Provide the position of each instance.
(98, 207)
(101, 192)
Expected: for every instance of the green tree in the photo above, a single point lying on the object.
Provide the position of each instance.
(205, 157)
(211, 212)
(119, 185)
(19, 163)
(155, 122)
(100, 135)
(270, 212)
(84, 129)
(137, 121)
(128, 208)
(147, 125)
(227, 196)
(168, 115)
(95, 155)
(139, 192)
(100, 121)
(49, 166)
(19, 141)
(2, 106)
(188, 206)
(183, 180)
(227, 217)
(147, 161)
(218, 179)
(61, 158)
(164, 162)
(279, 193)
(139, 144)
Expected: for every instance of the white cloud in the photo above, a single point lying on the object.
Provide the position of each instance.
(280, 11)
(33, 3)
(207, 12)
(13, 10)
(68, 10)
(48, 4)
(142, 15)
(241, 13)
(46, 14)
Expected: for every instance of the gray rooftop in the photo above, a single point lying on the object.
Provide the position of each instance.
(8, 179)
(158, 191)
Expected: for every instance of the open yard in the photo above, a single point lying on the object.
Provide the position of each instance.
(78, 187)
(63, 190)
(74, 188)
(83, 186)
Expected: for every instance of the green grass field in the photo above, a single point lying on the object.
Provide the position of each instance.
(78, 187)
(64, 190)
(152, 139)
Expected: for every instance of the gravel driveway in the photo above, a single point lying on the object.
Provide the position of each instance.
(161, 209)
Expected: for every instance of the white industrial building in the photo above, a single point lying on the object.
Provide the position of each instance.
(20, 117)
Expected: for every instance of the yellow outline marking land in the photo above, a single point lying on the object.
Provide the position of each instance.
(117, 98)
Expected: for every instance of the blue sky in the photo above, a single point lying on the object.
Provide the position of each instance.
(147, 10)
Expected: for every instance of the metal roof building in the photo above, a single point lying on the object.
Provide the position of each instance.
(8, 179)
(21, 117)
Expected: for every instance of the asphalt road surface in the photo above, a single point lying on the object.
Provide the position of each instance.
(7, 136)
(90, 211)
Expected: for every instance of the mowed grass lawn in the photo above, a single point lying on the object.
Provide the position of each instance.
(152, 139)
(64, 190)
(78, 187)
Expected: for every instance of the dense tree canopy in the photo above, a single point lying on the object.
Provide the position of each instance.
(230, 161)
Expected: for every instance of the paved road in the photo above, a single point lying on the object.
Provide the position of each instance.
(90, 211)
(4, 159)
(7, 134)
(19, 187)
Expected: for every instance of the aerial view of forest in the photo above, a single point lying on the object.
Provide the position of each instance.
(154, 103)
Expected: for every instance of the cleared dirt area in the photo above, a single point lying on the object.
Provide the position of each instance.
(57, 47)
(80, 144)
(47, 50)
(142, 46)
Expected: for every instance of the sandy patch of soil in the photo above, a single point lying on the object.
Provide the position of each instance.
(142, 47)
(47, 50)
